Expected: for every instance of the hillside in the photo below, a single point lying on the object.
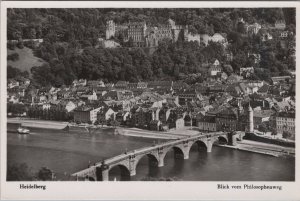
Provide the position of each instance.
(71, 38)
(26, 59)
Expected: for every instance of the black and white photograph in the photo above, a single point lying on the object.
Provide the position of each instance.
(150, 94)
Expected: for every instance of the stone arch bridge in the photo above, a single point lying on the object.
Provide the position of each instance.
(128, 162)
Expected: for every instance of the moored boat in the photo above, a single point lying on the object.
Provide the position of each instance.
(21, 130)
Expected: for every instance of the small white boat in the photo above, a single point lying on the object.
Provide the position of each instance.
(23, 130)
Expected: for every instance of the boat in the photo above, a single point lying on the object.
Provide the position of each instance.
(23, 130)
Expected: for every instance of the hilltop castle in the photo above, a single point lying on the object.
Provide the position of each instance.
(143, 36)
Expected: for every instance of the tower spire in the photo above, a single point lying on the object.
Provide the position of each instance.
(250, 119)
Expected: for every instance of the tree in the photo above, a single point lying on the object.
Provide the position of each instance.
(19, 172)
(20, 45)
(96, 123)
(241, 28)
(13, 57)
(274, 132)
(11, 45)
(16, 108)
(114, 123)
(44, 174)
(263, 128)
(12, 72)
(102, 120)
(228, 69)
(286, 135)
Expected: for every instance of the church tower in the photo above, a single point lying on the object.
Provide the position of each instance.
(250, 119)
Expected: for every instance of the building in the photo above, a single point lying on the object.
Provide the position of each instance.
(246, 71)
(215, 68)
(278, 79)
(207, 123)
(141, 117)
(106, 113)
(194, 37)
(227, 119)
(284, 34)
(255, 57)
(81, 82)
(263, 90)
(110, 29)
(233, 78)
(253, 28)
(250, 123)
(89, 96)
(95, 83)
(165, 85)
(260, 116)
(285, 121)
(142, 35)
(137, 33)
(121, 85)
(265, 35)
(11, 83)
(280, 24)
(67, 105)
(190, 95)
(85, 114)
(217, 38)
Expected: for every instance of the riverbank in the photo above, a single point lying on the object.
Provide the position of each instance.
(263, 148)
(38, 123)
(91, 129)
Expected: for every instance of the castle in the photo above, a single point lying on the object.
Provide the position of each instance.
(143, 36)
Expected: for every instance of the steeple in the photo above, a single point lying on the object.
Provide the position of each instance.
(250, 108)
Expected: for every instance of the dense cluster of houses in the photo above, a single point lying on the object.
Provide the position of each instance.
(221, 102)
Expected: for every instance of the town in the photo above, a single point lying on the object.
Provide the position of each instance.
(220, 103)
(176, 79)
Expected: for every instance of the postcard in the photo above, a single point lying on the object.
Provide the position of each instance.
(149, 100)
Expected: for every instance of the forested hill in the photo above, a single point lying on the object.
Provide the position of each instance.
(71, 36)
(68, 24)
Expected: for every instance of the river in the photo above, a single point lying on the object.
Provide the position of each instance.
(66, 153)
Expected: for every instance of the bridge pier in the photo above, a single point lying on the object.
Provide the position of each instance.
(132, 172)
(231, 139)
(132, 165)
(105, 175)
(161, 163)
(161, 157)
(209, 147)
(186, 154)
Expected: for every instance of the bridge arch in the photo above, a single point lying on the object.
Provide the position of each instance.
(178, 151)
(153, 162)
(221, 139)
(121, 170)
(200, 144)
(90, 178)
(153, 159)
(239, 136)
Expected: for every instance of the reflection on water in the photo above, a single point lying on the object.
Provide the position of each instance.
(66, 153)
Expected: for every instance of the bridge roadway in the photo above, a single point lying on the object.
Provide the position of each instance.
(128, 161)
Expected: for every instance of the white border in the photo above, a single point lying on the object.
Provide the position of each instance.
(137, 190)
